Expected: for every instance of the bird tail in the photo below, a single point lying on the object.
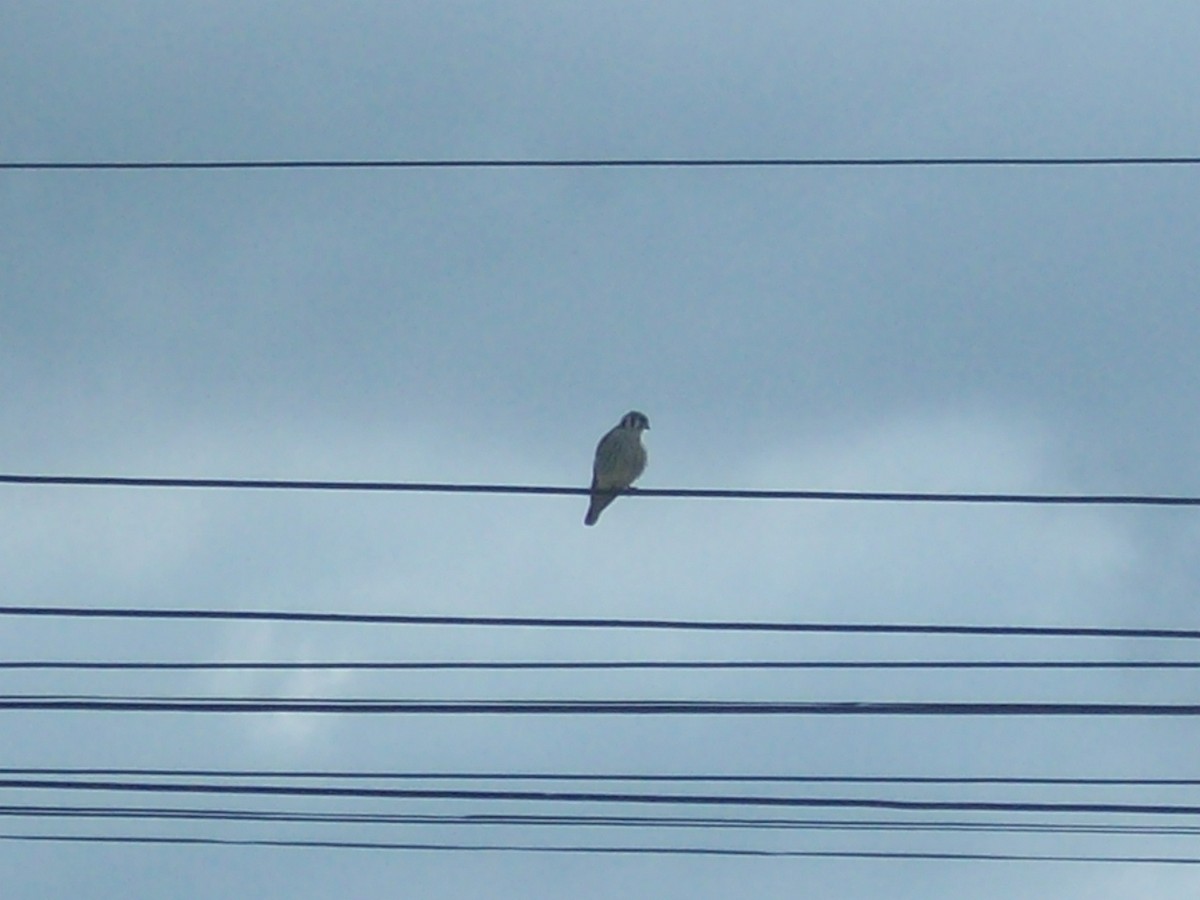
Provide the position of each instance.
(599, 503)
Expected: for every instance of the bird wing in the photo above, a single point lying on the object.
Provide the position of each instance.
(620, 459)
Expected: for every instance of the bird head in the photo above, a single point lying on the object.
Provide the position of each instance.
(635, 420)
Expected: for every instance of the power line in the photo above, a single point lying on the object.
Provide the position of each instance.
(364, 706)
(707, 778)
(604, 797)
(600, 821)
(548, 490)
(619, 163)
(628, 821)
(590, 665)
(637, 850)
(590, 623)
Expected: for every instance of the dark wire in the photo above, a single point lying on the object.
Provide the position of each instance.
(707, 493)
(638, 850)
(772, 823)
(357, 706)
(710, 778)
(547, 622)
(602, 797)
(620, 163)
(598, 665)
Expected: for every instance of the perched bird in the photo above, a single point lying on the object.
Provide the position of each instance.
(620, 459)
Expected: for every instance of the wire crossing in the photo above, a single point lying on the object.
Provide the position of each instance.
(564, 491)
(777, 162)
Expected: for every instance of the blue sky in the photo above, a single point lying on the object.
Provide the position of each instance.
(887, 329)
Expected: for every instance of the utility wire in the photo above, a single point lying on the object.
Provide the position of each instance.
(710, 778)
(595, 665)
(620, 163)
(603, 797)
(113, 612)
(596, 821)
(356, 706)
(636, 850)
(772, 823)
(706, 493)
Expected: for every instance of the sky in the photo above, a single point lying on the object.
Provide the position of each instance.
(894, 329)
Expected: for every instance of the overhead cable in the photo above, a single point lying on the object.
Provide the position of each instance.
(769, 823)
(633, 850)
(357, 706)
(776, 162)
(781, 801)
(673, 778)
(580, 665)
(694, 493)
(344, 618)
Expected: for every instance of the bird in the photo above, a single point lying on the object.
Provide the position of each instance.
(620, 459)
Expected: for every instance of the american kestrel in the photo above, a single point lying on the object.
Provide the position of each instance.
(620, 459)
